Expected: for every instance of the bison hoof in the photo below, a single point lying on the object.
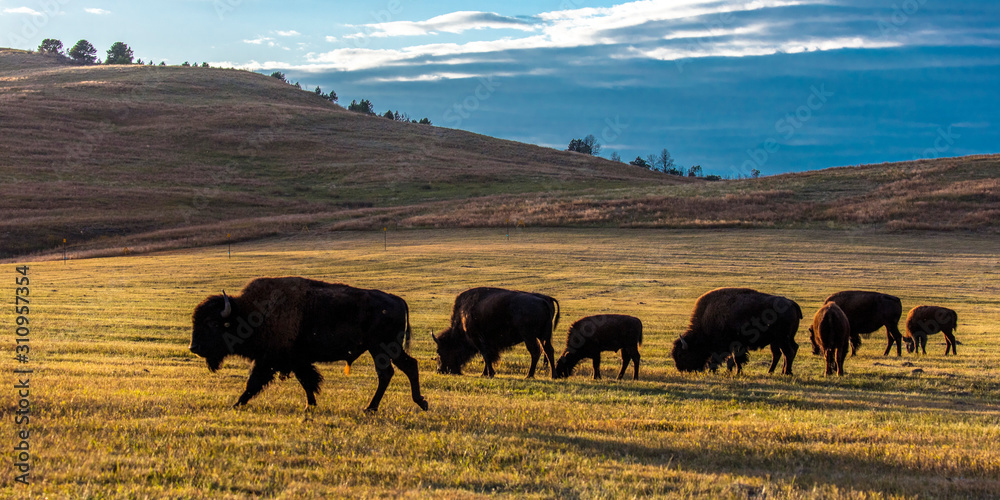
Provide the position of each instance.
(371, 410)
(422, 403)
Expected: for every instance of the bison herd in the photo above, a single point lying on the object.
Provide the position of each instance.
(286, 325)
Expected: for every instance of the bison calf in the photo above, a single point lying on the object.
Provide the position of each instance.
(830, 334)
(590, 336)
(928, 320)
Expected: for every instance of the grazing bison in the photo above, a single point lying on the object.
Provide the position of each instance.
(830, 335)
(603, 332)
(728, 322)
(928, 320)
(869, 311)
(284, 325)
(491, 320)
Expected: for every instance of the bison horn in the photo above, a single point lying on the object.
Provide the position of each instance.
(684, 344)
(436, 341)
(229, 307)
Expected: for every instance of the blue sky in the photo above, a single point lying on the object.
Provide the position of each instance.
(774, 85)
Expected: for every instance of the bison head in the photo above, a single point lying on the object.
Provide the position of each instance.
(212, 319)
(910, 344)
(815, 343)
(564, 366)
(689, 355)
(454, 350)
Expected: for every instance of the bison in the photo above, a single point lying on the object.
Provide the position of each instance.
(830, 335)
(603, 332)
(285, 325)
(928, 320)
(869, 311)
(728, 322)
(491, 320)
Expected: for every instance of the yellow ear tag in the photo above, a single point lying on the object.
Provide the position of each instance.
(347, 369)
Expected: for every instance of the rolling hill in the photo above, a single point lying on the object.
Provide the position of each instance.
(149, 157)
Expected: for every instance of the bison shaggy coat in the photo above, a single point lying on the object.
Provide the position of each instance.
(928, 320)
(285, 325)
(731, 321)
(589, 336)
(830, 335)
(492, 320)
(869, 311)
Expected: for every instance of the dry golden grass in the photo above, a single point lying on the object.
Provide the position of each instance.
(125, 411)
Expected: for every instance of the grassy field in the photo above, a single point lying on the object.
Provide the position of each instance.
(121, 409)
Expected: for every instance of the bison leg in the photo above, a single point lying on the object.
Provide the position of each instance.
(949, 339)
(550, 356)
(260, 376)
(831, 361)
(788, 349)
(383, 367)
(775, 357)
(841, 356)
(409, 366)
(626, 358)
(535, 351)
(894, 337)
(310, 379)
(488, 368)
(635, 364)
(923, 343)
(597, 366)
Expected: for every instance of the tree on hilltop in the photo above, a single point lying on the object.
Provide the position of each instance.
(51, 46)
(83, 52)
(119, 53)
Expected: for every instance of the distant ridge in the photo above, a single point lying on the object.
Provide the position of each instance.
(149, 157)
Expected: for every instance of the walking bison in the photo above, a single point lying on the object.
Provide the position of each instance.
(830, 335)
(285, 325)
(492, 320)
(869, 311)
(928, 320)
(728, 322)
(589, 336)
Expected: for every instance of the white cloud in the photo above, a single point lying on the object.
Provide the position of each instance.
(454, 22)
(22, 10)
(99, 12)
(331, 39)
(288, 33)
(261, 40)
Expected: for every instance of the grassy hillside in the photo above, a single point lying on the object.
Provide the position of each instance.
(124, 410)
(140, 157)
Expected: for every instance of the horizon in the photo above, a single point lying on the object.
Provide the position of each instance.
(729, 86)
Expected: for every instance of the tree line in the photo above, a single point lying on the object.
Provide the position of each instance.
(657, 162)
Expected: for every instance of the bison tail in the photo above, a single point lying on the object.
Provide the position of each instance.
(555, 321)
(797, 308)
(408, 332)
(640, 334)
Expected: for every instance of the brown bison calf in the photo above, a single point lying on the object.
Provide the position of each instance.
(928, 320)
(830, 334)
(590, 336)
